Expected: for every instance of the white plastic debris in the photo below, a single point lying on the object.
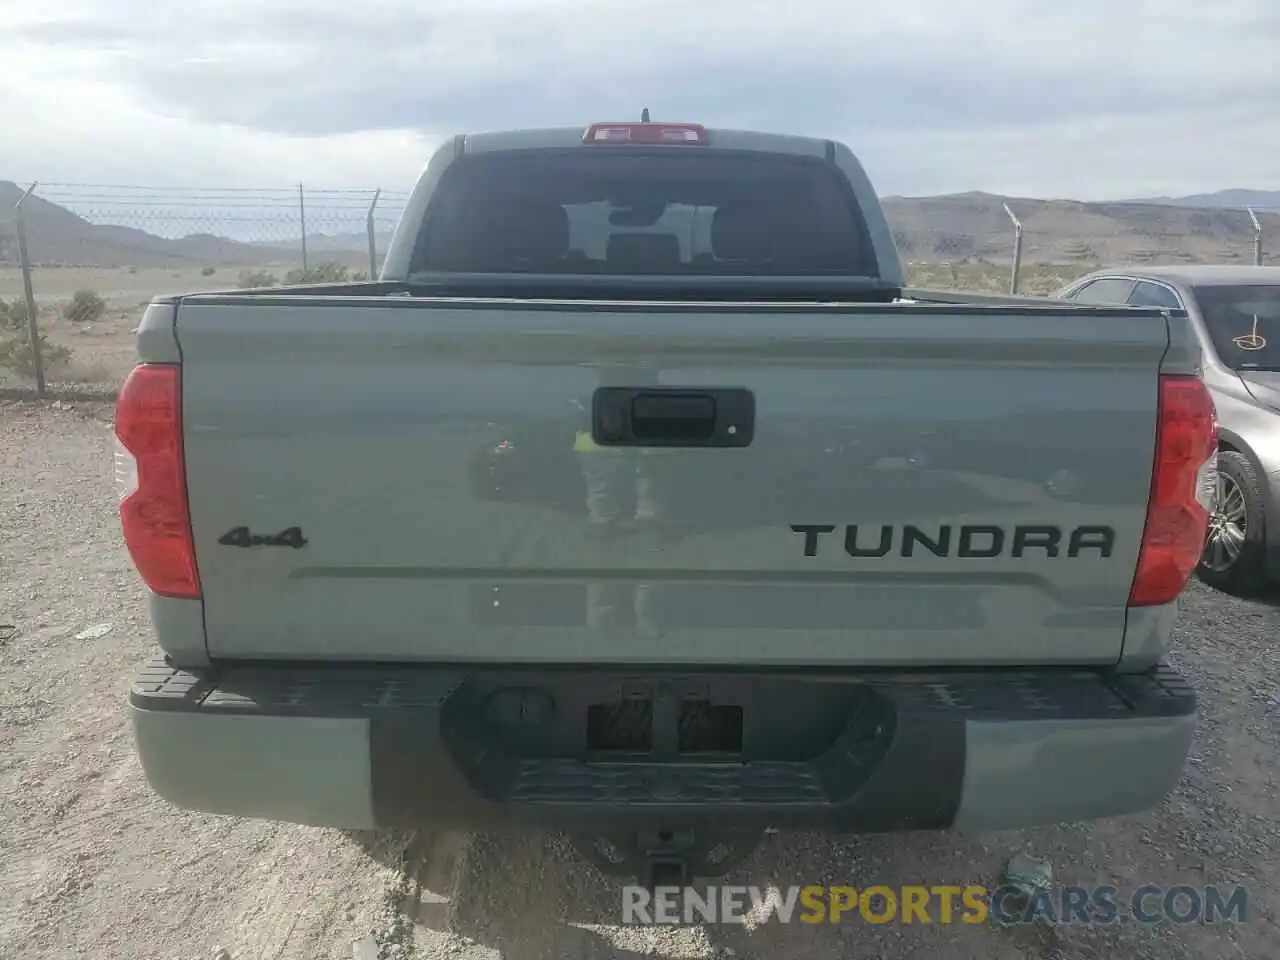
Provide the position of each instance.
(366, 948)
(94, 632)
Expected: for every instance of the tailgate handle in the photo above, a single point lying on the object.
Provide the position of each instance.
(673, 417)
(677, 415)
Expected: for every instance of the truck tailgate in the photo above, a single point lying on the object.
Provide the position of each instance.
(991, 465)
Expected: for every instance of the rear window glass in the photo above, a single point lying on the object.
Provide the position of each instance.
(620, 212)
(1244, 323)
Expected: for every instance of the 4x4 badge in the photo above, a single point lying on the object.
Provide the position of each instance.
(241, 537)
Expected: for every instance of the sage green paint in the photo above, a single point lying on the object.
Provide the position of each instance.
(155, 341)
(292, 769)
(179, 628)
(1048, 771)
(357, 420)
(317, 771)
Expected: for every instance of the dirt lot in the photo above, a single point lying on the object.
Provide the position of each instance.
(102, 351)
(92, 864)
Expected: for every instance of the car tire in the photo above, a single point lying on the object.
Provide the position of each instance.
(1246, 571)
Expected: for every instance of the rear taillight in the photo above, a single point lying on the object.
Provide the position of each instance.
(1178, 508)
(151, 472)
(693, 134)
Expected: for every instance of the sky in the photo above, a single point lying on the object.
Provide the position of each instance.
(1096, 99)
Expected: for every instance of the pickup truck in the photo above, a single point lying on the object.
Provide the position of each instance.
(781, 544)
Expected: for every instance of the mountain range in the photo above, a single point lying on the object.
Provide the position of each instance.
(950, 228)
(1259, 200)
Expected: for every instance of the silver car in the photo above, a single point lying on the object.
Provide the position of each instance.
(1235, 312)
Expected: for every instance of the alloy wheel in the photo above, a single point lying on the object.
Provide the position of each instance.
(1228, 524)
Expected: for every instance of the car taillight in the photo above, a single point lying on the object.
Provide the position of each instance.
(151, 473)
(1178, 508)
(648, 133)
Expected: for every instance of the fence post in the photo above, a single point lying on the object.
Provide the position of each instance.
(1257, 238)
(302, 216)
(24, 264)
(373, 239)
(1017, 251)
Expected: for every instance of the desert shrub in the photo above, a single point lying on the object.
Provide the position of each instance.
(329, 272)
(249, 279)
(15, 355)
(85, 306)
(13, 315)
(207, 272)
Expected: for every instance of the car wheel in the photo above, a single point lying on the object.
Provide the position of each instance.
(1233, 558)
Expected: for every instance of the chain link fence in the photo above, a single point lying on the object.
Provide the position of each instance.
(97, 253)
(985, 244)
(79, 261)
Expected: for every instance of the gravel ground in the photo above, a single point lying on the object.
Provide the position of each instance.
(92, 864)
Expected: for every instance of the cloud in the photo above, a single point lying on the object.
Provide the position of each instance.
(1022, 96)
